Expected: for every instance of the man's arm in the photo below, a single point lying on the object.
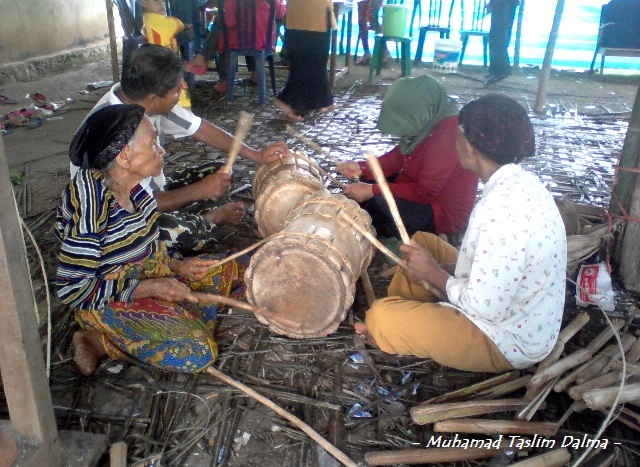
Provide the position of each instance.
(218, 138)
(213, 185)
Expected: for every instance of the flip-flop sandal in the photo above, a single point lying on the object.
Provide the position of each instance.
(195, 69)
(283, 117)
(4, 100)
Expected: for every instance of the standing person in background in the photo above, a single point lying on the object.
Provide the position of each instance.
(503, 13)
(161, 29)
(308, 35)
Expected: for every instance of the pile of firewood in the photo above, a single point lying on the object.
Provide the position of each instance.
(590, 375)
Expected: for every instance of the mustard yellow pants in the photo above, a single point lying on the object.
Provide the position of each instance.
(410, 322)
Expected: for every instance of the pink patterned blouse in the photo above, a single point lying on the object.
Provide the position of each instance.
(510, 275)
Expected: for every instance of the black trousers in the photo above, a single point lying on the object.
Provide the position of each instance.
(503, 14)
(416, 217)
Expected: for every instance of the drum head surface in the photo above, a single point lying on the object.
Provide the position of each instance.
(305, 290)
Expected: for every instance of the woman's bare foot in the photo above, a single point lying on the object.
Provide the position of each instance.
(287, 114)
(323, 110)
(361, 331)
(88, 351)
(230, 213)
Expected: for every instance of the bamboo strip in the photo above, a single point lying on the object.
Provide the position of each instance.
(330, 448)
(244, 123)
(423, 414)
(475, 388)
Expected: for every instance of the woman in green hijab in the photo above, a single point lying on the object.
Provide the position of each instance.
(433, 192)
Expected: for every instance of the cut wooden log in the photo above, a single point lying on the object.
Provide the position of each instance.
(490, 427)
(631, 369)
(601, 339)
(505, 388)
(597, 399)
(536, 397)
(423, 414)
(428, 456)
(603, 381)
(556, 458)
(558, 368)
(564, 382)
(565, 335)
(474, 389)
(600, 364)
(633, 354)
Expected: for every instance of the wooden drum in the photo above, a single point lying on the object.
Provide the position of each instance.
(306, 275)
(278, 187)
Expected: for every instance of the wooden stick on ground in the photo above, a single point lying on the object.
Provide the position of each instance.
(330, 448)
(244, 123)
(369, 236)
(312, 144)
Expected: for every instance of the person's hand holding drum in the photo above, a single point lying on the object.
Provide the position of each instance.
(359, 192)
(193, 268)
(274, 152)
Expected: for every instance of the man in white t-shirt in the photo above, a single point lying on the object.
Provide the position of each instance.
(153, 78)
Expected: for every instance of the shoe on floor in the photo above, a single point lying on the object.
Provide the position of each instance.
(220, 87)
(195, 69)
(493, 79)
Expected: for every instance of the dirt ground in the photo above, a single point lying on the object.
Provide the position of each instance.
(354, 396)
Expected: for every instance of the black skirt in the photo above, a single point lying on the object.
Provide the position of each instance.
(307, 86)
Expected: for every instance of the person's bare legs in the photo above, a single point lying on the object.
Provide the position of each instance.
(88, 350)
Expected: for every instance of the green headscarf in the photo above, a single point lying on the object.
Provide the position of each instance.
(412, 107)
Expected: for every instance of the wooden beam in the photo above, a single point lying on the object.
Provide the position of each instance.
(545, 72)
(23, 371)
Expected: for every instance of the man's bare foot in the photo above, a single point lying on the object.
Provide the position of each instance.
(88, 351)
(230, 213)
(361, 331)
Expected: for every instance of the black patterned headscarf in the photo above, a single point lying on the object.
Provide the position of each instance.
(104, 134)
(499, 128)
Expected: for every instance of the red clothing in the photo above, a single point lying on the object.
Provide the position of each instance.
(431, 174)
(232, 15)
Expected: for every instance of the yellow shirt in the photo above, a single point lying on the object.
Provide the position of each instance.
(162, 30)
(310, 15)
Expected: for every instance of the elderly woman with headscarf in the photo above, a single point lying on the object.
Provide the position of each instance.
(506, 294)
(132, 301)
(433, 192)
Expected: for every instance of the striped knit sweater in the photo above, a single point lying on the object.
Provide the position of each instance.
(100, 238)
